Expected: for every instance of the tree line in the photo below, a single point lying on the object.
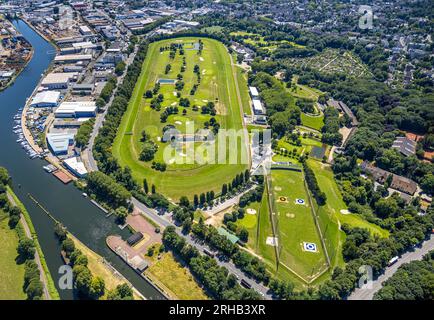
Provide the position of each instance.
(26, 248)
(87, 285)
(217, 280)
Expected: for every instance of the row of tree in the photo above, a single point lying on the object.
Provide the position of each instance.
(84, 132)
(87, 285)
(217, 280)
(312, 183)
(26, 246)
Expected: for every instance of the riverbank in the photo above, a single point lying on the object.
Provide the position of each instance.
(46, 278)
(26, 131)
(53, 43)
(28, 59)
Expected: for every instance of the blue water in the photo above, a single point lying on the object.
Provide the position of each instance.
(166, 81)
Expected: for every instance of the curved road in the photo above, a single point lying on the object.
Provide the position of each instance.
(417, 254)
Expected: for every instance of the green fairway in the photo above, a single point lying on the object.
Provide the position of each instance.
(303, 91)
(244, 91)
(314, 122)
(11, 274)
(217, 85)
(294, 150)
(296, 225)
(335, 203)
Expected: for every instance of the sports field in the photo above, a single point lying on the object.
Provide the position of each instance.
(300, 244)
(217, 85)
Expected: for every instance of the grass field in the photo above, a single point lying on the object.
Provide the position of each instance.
(11, 274)
(299, 91)
(217, 85)
(296, 225)
(260, 42)
(175, 278)
(314, 122)
(306, 146)
(335, 202)
(259, 227)
(99, 268)
(244, 91)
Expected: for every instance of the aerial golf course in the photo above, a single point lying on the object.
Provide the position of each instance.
(176, 70)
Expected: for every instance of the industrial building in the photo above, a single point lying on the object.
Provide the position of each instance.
(58, 80)
(76, 167)
(71, 58)
(85, 31)
(258, 108)
(83, 88)
(45, 99)
(60, 142)
(76, 109)
(254, 94)
(404, 145)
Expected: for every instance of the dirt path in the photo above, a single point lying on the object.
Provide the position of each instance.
(37, 258)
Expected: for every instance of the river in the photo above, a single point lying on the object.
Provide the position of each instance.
(65, 203)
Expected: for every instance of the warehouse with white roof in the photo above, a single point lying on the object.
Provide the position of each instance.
(76, 109)
(254, 92)
(70, 58)
(76, 167)
(59, 80)
(258, 108)
(45, 99)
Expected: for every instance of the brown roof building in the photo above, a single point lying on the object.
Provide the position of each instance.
(399, 183)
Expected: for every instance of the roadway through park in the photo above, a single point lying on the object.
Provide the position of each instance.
(367, 293)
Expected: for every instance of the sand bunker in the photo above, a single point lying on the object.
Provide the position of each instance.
(272, 241)
(251, 211)
(277, 188)
(178, 122)
(201, 59)
(345, 211)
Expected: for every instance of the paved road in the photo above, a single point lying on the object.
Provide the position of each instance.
(417, 254)
(228, 203)
(99, 121)
(164, 221)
